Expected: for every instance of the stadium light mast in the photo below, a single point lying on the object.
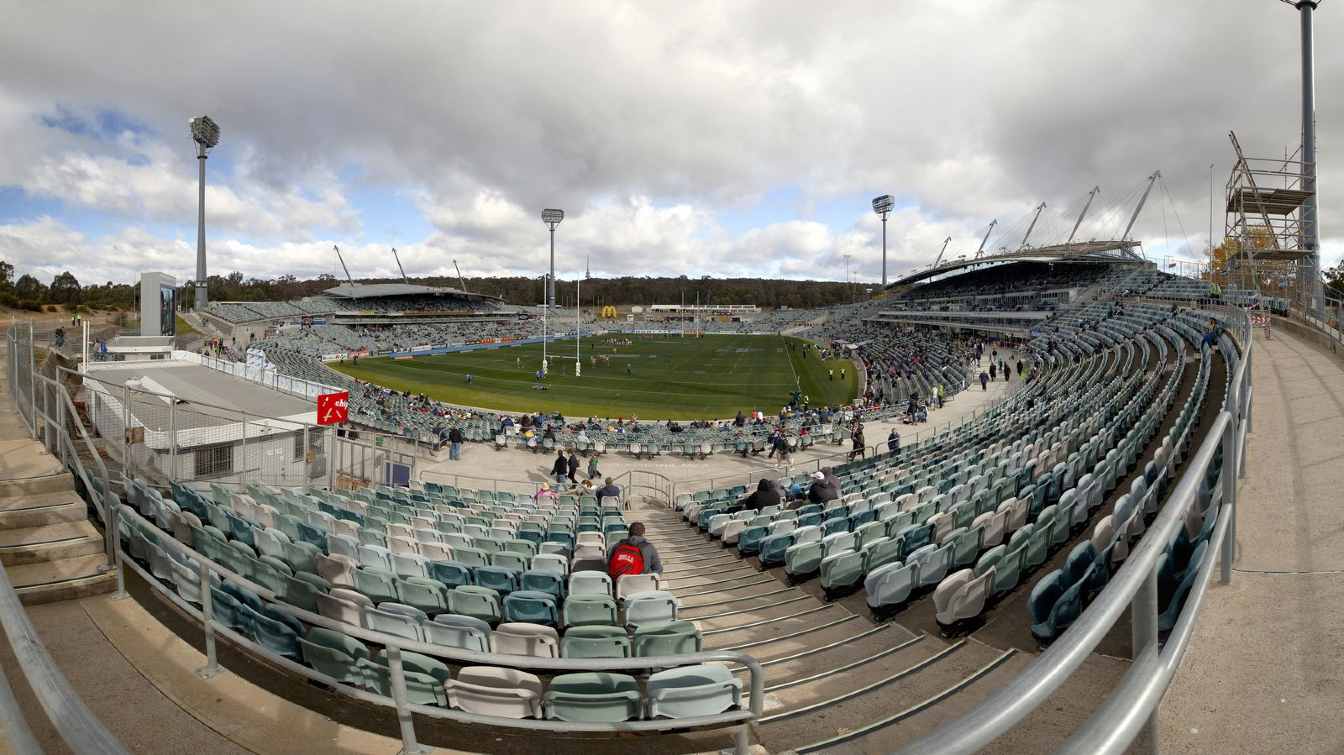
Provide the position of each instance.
(1311, 230)
(552, 218)
(882, 206)
(205, 132)
(546, 283)
(578, 332)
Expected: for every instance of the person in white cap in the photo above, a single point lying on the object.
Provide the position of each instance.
(821, 490)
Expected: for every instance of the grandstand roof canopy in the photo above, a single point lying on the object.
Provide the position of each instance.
(375, 290)
(1089, 251)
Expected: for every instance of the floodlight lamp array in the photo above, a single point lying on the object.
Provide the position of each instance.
(552, 216)
(204, 131)
(883, 204)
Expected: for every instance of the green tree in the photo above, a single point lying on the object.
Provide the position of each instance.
(65, 289)
(29, 288)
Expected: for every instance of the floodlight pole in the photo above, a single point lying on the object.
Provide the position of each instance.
(1310, 274)
(578, 291)
(882, 206)
(550, 285)
(544, 290)
(201, 288)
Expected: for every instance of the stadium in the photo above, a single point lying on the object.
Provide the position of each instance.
(1036, 495)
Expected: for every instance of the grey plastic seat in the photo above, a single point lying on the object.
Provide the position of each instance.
(452, 630)
(671, 638)
(592, 698)
(650, 608)
(890, 584)
(335, 655)
(933, 562)
(596, 641)
(521, 638)
(692, 691)
(495, 691)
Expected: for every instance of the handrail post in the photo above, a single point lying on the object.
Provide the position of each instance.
(112, 521)
(408, 744)
(211, 666)
(172, 441)
(1229, 481)
(1143, 610)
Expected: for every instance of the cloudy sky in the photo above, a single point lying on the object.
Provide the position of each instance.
(720, 138)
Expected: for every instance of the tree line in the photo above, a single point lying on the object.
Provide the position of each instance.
(27, 292)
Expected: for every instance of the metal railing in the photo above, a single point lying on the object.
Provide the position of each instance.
(1131, 709)
(66, 710)
(211, 627)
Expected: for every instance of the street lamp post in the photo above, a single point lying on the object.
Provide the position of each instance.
(882, 206)
(205, 132)
(552, 218)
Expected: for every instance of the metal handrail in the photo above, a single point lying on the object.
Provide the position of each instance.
(466, 657)
(68, 714)
(1125, 713)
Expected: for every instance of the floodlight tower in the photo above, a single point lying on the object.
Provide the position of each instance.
(205, 132)
(1310, 275)
(552, 218)
(882, 205)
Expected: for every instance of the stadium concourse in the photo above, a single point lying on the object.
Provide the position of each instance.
(925, 584)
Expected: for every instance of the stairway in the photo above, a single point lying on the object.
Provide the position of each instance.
(829, 672)
(49, 549)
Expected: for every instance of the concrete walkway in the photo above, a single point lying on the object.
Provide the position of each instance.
(1265, 671)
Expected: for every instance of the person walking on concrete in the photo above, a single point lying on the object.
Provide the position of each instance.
(894, 442)
(573, 467)
(593, 472)
(560, 468)
(984, 380)
(455, 443)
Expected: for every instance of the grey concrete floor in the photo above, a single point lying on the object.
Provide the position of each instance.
(1265, 670)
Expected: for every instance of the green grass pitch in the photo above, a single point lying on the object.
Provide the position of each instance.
(668, 377)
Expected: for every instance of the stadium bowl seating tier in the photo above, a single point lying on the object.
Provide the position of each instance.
(627, 619)
(975, 538)
(1125, 353)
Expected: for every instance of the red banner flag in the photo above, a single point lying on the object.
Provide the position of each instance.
(333, 408)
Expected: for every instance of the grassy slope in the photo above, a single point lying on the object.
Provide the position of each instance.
(672, 377)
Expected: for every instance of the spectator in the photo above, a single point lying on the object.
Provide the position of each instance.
(766, 494)
(560, 468)
(573, 466)
(821, 489)
(455, 443)
(984, 380)
(593, 474)
(544, 493)
(634, 555)
(893, 442)
(609, 490)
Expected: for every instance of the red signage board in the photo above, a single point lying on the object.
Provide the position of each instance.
(333, 408)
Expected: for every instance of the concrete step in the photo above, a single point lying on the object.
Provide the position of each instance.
(62, 579)
(51, 481)
(919, 673)
(49, 542)
(21, 457)
(37, 509)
